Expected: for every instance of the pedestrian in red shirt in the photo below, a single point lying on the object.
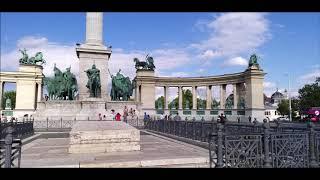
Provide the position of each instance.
(118, 117)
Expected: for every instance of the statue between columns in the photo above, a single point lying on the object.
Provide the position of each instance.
(93, 83)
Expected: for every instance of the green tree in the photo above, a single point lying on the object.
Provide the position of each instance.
(12, 96)
(283, 107)
(309, 95)
(161, 98)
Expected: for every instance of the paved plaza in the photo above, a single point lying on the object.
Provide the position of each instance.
(156, 151)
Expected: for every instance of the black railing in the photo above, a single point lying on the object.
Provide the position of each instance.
(21, 129)
(11, 134)
(10, 149)
(53, 125)
(233, 144)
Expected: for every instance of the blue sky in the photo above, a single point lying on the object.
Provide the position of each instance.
(182, 44)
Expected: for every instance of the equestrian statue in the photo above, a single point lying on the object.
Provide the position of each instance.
(122, 88)
(63, 86)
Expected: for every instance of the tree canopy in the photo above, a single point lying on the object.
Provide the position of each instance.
(309, 95)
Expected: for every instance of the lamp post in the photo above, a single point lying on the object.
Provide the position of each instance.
(290, 113)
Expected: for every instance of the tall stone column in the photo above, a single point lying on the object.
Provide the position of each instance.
(40, 91)
(166, 96)
(194, 97)
(1, 94)
(254, 93)
(93, 52)
(137, 93)
(94, 28)
(209, 98)
(235, 96)
(222, 96)
(180, 97)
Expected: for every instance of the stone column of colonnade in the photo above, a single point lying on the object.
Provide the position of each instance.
(166, 96)
(40, 92)
(180, 97)
(235, 96)
(194, 97)
(209, 98)
(222, 96)
(1, 94)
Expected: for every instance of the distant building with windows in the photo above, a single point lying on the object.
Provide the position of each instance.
(271, 104)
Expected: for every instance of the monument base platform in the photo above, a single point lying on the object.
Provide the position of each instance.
(80, 110)
(103, 137)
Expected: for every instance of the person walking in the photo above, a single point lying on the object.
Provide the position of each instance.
(145, 117)
(249, 119)
(118, 117)
(125, 114)
(113, 114)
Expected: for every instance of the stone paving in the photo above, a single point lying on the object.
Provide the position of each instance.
(156, 151)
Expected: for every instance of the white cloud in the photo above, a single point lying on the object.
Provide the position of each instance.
(268, 85)
(237, 61)
(63, 55)
(269, 88)
(209, 54)
(310, 77)
(179, 74)
(170, 58)
(235, 33)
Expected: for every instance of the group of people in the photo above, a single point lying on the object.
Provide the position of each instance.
(117, 116)
(4, 119)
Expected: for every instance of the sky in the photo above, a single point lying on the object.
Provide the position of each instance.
(182, 44)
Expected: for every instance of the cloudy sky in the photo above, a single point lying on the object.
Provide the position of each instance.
(182, 44)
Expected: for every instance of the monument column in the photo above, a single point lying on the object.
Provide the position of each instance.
(93, 52)
(94, 28)
(1, 94)
(222, 96)
(194, 97)
(180, 97)
(209, 98)
(166, 95)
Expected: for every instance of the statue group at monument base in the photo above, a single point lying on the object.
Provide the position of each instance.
(80, 110)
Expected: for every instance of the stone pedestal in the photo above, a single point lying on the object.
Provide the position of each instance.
(103, 137)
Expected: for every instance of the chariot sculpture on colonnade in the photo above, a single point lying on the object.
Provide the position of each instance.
(33, 60)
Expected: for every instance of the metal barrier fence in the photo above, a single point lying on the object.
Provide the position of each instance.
(53, 125)
(236, 145)
(10, 142)
(10, 149)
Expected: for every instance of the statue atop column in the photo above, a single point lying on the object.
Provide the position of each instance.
(122, 87)
(93, 83)
(253, 62)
